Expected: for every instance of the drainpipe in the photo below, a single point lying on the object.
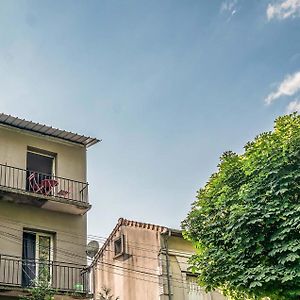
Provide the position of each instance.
(166, 237)
(93, 289)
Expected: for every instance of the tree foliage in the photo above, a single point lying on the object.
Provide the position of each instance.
(245, 222)
(41, 288)
(106, 294)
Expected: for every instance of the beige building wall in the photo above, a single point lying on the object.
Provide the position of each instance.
(135, 275)
(183, 283)
(143, 275)
(67, 251)
(70, 160)
(69, 231)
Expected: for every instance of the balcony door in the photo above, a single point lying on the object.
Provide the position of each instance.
(42, 165)
(37, 257)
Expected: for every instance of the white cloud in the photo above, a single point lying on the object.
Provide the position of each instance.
(288, 87)
(228, 6)
(283, 9)
(293, 106)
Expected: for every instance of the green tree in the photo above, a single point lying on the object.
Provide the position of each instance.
(245, 222)
(105, 294)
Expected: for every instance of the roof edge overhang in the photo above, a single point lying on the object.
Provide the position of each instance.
(44, 130)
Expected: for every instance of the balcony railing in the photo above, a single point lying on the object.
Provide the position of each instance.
(43, 184)
(63, 277)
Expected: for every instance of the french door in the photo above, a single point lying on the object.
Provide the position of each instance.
(37, 257)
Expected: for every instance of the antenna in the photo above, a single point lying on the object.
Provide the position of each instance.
(92, 248)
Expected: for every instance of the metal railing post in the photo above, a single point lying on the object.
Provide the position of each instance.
(50, 185)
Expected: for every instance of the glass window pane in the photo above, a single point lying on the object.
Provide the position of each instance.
(44, 256)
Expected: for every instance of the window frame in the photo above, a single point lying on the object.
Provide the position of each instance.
(44, 153)
(37, 234)
(121, 239)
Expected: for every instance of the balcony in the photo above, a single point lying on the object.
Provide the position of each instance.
(18, 273)
(43, 190)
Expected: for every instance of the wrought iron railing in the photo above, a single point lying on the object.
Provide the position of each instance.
(43, 184)
(18, 272)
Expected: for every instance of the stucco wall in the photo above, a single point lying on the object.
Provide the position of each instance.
(70, 159)
(70, 163)
(143, 275)
(179, 244)
(69, 231)
(179, 252)
(134, 278)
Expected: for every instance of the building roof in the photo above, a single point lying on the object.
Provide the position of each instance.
(125, 222)
(30, 126)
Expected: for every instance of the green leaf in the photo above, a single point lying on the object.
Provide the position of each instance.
(245, 221)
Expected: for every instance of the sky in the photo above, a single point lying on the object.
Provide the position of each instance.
(167, 85)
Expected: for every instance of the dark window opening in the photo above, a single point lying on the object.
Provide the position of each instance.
(28, 262)
(39, 163)
(119, 245)
(39, 168)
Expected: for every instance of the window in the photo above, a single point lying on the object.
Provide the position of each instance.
(40, 162)
(40, 166)
(119, 246)
(37, 255)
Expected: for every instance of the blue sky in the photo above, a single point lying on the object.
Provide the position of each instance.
(167, 85)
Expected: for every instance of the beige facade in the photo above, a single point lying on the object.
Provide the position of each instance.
(70, 159)
(42, 215)
(69, 231)
(149, 262)
(183, 284)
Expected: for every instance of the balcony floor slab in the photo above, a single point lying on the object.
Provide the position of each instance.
(43, 201)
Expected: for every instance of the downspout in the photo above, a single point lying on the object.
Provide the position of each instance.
(166, 237)
(94, 280)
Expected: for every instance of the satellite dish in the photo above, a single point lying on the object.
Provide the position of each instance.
(92, 248)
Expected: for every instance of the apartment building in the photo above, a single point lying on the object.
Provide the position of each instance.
(146, 261)
(43, 208)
